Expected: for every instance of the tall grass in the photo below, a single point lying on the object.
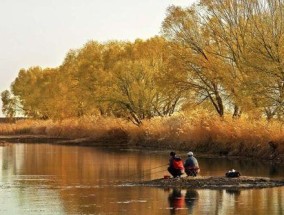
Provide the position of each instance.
(199, 132)
(222, 136)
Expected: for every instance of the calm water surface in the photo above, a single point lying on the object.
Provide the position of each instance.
(50, 179)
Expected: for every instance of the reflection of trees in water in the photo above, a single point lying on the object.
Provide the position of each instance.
(274, 170)
(81, 171)
(177, 200)
(210, 166)
(259, 168)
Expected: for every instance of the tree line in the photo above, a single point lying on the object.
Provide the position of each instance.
(224, 56)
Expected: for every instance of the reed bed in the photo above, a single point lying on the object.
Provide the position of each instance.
(198, 132)
(222, 136)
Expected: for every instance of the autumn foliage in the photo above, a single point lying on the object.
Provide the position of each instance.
(213, 79)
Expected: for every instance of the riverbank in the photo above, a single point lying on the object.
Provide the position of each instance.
(217, 137)
(110, 142)
(199, 182)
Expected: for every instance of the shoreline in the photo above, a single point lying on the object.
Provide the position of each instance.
(111, 142)
(199, 182)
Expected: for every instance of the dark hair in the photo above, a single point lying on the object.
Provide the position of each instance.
(172, 154)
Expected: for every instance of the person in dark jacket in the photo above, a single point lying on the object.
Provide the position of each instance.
(175, 168)
(191, 165)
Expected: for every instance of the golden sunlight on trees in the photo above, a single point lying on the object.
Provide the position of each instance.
(120, 79)
(35, 89)
(230, 52)
(222, 56)
(135, 83)
(198, 70)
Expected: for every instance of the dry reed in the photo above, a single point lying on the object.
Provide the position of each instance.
(198, 131)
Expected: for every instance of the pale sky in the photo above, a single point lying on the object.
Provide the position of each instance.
(40, 32)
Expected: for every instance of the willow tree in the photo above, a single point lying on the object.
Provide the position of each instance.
(121, 79)
(252, 32)
(36, 91)
(27, 89)
(83, 71)
(134, 86)
(266, 56)
(197, 69)
(240, 42)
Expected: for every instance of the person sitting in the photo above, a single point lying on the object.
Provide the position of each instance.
(191, 165)
(175, 168)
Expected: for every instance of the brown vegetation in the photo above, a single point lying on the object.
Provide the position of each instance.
(197, 132)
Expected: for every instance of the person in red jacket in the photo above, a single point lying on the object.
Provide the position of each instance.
(175, 168)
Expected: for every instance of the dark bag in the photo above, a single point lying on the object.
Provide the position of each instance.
(233, 174)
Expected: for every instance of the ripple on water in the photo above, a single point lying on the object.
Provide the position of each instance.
(130, 201)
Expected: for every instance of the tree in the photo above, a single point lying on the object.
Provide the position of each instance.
(36, 90)
(235, 45)
(9, 104)
(135, 87)
(199, 71)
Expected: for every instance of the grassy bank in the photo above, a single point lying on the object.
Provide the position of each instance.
(204, 134)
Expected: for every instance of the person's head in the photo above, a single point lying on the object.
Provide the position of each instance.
(172, 154)
(190, 154)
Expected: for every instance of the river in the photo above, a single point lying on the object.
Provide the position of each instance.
(54, 179)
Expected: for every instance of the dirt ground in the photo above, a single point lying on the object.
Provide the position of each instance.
(200, 182)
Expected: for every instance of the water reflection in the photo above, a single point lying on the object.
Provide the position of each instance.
(182, 199)
(233, 192)
(191, 197)
(274, 169)
(176, 200)
(219, 166)
(38, 179)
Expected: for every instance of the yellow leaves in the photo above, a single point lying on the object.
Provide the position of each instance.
(216, 56)
(115, 78)
(229, 46)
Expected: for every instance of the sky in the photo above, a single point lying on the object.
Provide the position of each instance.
(40, 32)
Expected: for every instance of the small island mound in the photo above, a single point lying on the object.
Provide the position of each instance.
(219, 182)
